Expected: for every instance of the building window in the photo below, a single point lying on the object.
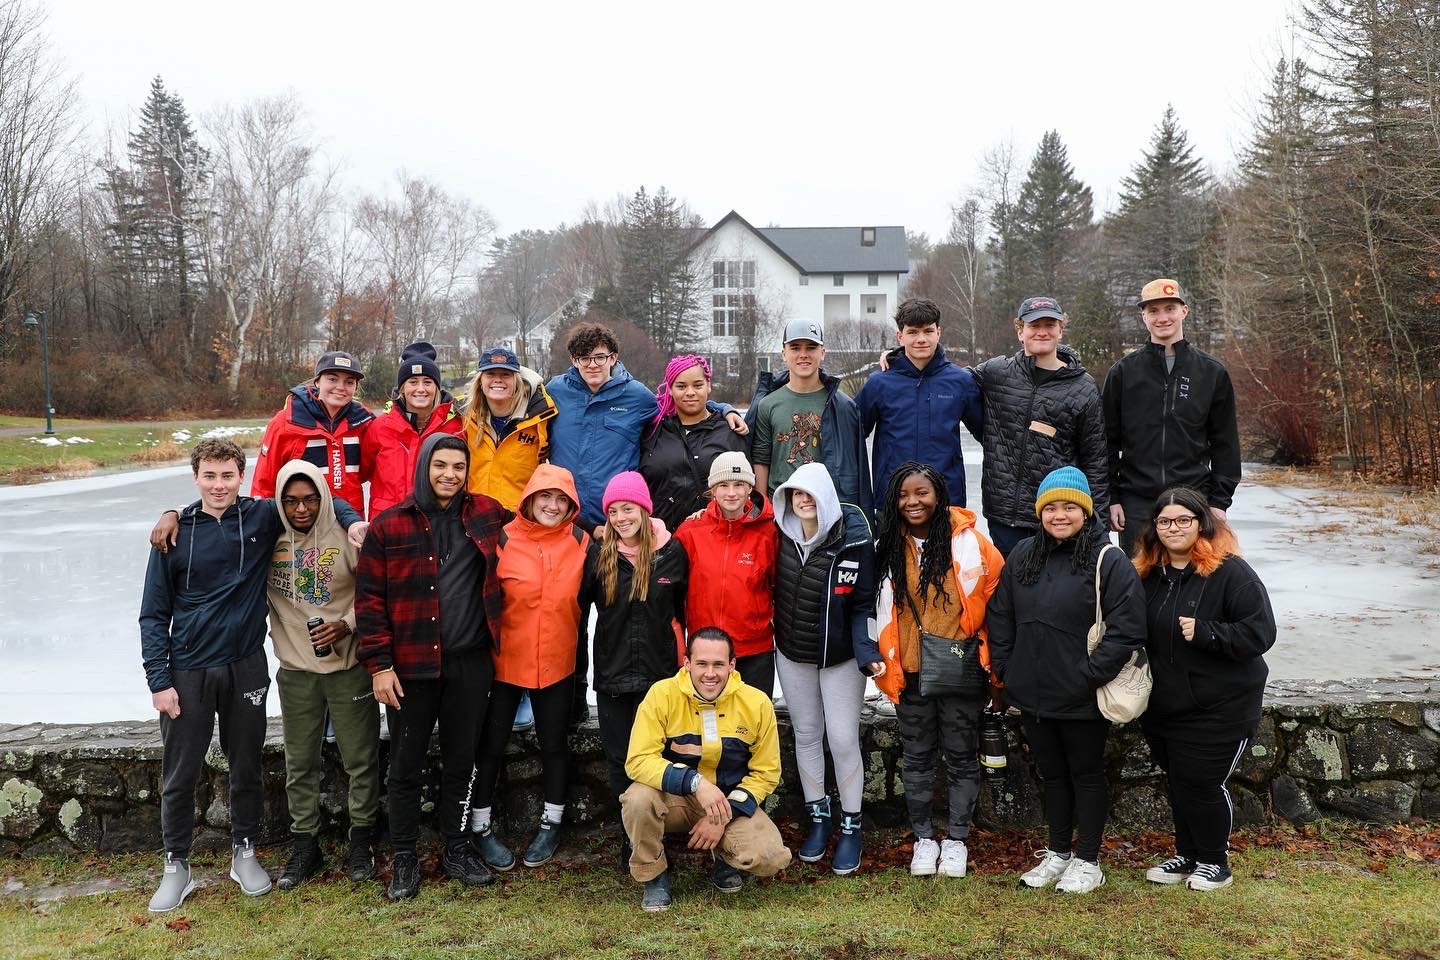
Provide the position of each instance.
(732, 274)
(867, 236)
(872, 280)
(762, 363)
(839, 279)
(872, 306)
(732, 365)
(728, 310)
(804, 279)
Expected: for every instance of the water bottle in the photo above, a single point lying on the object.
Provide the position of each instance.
(324, 650)
(992, 744)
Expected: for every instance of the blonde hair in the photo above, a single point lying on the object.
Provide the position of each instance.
(608, 564)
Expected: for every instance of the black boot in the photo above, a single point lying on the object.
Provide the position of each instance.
(305, 861)
(360, 857)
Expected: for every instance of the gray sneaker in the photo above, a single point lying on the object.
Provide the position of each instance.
(175, 886)
(245, 870)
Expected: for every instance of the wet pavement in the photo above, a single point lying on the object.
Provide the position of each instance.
(1354, 597)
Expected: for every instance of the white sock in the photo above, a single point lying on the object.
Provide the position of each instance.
(555, 812)
(481, 818)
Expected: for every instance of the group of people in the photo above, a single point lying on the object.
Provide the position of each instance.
(718, 556)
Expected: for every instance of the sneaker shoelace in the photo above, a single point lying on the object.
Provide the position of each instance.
(1176, 864)
(1208, 871)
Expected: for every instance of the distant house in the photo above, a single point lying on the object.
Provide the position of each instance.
(847, 277)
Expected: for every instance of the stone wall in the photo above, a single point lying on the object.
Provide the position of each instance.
(1364, 749)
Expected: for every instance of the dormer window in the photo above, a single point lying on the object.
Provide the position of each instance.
(867, 236)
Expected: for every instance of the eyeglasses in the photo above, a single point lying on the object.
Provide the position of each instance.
(311, 501)
(594, 360)
(1179, 523)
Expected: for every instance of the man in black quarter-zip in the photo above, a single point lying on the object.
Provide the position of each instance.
(1169, 418)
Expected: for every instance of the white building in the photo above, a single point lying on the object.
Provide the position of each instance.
(847, 277)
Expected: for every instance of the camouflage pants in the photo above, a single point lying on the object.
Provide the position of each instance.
(929, 725)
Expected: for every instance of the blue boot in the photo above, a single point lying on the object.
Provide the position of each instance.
(847, 846)
(822, 824)
(524, 715)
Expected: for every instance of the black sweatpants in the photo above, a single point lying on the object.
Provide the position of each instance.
(1071, 758)
(758, 671)
(236, 692)
(552, 706)
(1195, 775)
(457, 701)
(617, 717)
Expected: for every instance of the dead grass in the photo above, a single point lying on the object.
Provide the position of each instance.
(166, 451)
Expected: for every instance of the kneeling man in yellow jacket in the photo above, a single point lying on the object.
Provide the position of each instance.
(704, 754)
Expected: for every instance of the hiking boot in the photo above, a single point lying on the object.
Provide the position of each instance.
(657, 894)
(542, 848)
(847, 846)
(924, 858)
(245, 870)
(360, 857)
(727, 879)
(305, 861)
(1210, 876)
(953, 858)
(175, 885)
(1174, 870)
(1052, 867)
(524, 715)
(822, 825)
(495, 854)
(404, 876)
(461, 863)
(1081, 876)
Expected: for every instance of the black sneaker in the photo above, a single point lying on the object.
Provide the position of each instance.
(657, 894)
(727, 879)
(1210, 876)
(360, 857)
(305, 862)
(1174, 870)
(404, 876)
(464, 864)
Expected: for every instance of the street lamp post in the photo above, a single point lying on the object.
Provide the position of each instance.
(34, 318)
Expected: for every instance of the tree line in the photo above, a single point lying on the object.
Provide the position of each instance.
(211, 258)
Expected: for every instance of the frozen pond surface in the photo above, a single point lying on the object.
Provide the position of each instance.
(1353, 595)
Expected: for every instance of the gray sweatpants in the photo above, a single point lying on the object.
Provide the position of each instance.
(826, 704)
(927, 726)
(236, 692)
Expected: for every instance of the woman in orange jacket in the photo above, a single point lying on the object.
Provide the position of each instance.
(542, 561)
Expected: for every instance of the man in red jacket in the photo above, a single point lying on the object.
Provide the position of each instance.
(732, 568)
(427, 609)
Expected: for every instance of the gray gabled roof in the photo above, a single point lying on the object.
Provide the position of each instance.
(829, 249)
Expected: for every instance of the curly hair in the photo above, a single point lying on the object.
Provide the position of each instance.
(935, 561)
(1030, 563)
(1215, 542)
(217, 448)
(587, 336)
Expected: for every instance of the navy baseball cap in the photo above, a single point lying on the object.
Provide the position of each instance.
(1039, 308)
(500, 358)
(338, 361)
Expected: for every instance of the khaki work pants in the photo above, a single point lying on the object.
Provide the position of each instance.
(751, 843)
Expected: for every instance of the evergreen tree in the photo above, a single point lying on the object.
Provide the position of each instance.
(658, 289)
(1052, 220)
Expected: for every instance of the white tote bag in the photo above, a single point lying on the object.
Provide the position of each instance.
(1126, 697)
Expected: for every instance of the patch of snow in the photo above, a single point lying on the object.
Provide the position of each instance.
(48, 441)
(180, 436)
(78, 440)
(220, 432)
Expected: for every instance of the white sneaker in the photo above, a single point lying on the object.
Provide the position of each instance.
(924, 859)
(1081, 876)
(953, 858)
(1052, 867)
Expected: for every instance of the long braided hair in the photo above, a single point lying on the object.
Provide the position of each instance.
(935, 562)
(1028, 565)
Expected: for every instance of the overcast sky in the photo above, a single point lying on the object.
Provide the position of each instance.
(794, 114)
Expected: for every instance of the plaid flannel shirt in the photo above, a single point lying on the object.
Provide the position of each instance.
(397, 607)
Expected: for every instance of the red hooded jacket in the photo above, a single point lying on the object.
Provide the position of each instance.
(388, 449)
(732, 574)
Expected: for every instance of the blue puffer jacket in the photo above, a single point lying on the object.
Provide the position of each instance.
(597, 435)
(844, 454)
(916, 415)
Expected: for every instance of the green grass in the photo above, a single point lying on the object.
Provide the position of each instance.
(1307, 903)
(23, 460)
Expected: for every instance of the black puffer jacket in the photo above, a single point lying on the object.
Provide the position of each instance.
(675, 462)
(636, 642)
(1031, 429)
(823, 602)
(1210, 689)
(1038, 631)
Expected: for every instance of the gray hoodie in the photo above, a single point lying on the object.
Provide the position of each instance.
(814, 479)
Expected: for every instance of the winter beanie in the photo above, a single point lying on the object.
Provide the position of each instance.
(1064, 483)
(417, 360)
(628, 486)
(730, 465)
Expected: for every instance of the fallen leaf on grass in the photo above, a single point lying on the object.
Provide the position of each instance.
(139, 921)
(178, 924)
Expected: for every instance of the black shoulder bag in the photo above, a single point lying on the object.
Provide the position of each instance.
(949, 666)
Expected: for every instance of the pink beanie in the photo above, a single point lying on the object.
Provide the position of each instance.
(628, 486)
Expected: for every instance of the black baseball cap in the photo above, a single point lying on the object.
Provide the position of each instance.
(1039, 308)
(338, 361)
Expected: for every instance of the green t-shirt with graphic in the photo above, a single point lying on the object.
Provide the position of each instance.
(787, 432)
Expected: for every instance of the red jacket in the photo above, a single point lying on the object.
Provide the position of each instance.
(397, 610)
(303, 430)
(732, 574)
(388, 449)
